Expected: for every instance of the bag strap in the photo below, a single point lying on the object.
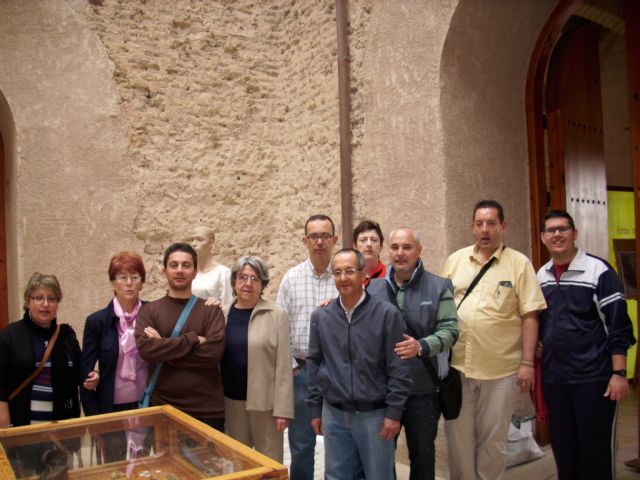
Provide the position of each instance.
(479, 276)
(36, 372)
(176, 331)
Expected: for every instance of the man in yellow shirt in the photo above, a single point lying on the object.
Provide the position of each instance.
(498, 321)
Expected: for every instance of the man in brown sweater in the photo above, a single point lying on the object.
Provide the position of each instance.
(189, 379)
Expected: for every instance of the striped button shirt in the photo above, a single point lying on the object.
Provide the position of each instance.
(300, 293)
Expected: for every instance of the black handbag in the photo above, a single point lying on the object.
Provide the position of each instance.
(449, 390)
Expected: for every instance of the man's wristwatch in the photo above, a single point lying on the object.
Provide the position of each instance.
(622, 372)
(419, 354)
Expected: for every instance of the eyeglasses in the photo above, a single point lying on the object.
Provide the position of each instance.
(350, 272)
(248, 278)
(131, 278)
(40, 300)
(314, 237)
(561, 230)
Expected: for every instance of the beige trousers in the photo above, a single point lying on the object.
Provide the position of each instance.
(477, 439)
(253, 428)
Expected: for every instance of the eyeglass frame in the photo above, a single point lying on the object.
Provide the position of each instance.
(325, 236)
(41, 299)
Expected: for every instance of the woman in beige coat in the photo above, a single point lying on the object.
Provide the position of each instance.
(256, 365)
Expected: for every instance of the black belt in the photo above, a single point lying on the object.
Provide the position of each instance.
(300, 362)
(358, 406)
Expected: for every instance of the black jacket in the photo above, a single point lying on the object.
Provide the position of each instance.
(17, 362)
(100, 343)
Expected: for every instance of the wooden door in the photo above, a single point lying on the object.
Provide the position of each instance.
(577, 169)
(4, 304)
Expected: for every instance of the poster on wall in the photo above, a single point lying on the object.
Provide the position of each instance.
(625, 253)
(622, 255)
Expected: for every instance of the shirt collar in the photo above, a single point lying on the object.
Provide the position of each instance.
(312, 270)
(475, 258)
(350, 312)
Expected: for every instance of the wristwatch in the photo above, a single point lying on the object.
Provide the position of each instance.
(419, 354)
(622, 372)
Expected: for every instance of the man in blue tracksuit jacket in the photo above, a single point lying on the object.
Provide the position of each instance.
(585, 334)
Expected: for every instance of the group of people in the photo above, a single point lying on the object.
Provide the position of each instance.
(352, 349)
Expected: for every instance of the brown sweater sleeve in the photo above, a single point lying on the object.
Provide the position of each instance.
(209, 353)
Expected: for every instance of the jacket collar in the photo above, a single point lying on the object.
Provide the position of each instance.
(578, 264)
(261, 306)
(337, 304)
(415, 276)
(43, 332)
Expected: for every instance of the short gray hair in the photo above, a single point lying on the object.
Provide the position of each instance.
(415, 233)
(41, 280)
(358, 254)
(258, 265)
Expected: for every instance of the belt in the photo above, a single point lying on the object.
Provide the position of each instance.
(355, 407)
(300, 362)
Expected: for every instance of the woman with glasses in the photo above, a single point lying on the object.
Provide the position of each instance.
(109, 345)
(256, 365)
(29, 394)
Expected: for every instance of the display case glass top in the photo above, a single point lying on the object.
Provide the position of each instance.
(156, 443)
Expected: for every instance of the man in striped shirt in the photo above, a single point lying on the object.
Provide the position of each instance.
(585, 334)
(303, 288)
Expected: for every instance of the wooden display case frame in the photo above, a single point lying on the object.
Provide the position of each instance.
(77, 427)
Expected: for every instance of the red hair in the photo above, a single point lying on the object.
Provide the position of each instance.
(126, 262)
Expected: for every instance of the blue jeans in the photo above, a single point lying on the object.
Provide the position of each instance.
(352, 444)
(302, 440)
(420, 421)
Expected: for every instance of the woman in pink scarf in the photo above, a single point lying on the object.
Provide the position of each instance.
(109, 346)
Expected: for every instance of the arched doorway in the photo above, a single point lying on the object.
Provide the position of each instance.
(564, 112)
(547, 146)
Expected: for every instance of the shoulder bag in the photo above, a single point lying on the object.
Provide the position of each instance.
(36, 372)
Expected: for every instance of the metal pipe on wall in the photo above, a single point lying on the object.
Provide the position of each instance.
(346, 178)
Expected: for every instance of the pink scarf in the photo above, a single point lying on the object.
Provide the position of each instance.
(127, 339)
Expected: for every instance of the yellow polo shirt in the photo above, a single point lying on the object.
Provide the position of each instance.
(490, 319)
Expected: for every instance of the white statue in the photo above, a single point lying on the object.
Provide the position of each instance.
(213, 280)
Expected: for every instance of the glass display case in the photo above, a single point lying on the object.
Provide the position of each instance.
(156, 443)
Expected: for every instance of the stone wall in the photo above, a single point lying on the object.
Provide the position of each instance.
(232, 113)
(68, 174)
(137, 120)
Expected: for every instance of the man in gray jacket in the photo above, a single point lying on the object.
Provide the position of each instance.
(431, 329)
(357, 384)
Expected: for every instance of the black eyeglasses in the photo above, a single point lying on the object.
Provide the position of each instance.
(553, 230)
(314, 237)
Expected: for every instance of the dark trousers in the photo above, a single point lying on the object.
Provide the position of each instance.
(582, 425)
(420, 422)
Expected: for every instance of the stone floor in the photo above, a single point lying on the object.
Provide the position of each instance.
(540, 469)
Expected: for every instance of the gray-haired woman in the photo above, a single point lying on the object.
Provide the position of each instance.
(256, 365)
